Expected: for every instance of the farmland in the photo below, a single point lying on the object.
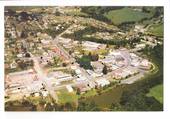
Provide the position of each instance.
(126, 15)
(156, 29)
(157, 92)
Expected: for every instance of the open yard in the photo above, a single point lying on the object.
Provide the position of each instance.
(90, 93)
(65, 97)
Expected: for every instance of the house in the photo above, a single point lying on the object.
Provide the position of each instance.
(44, 93)
(13, 65)
(120, 74)
(91, 73)
(45, 41)
(102, 82)
(97, 66)
(78, 71)
(82, 88)
(145, 64)
(139, 28)
(69, 88)
(19, 55)
(64, 40)
(80, 78)
(114, 67)
(91, 46)
(60, 76)
(37, 94)
(140, 46)
(130, 71)
(135, 62)
(108, 60)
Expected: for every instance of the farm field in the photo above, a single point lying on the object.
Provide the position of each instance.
(156, 29)
(126, 15)
(157, 92)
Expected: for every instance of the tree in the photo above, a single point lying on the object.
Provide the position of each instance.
(56, 60)
(116, 107)
(64, 64)
(57, 13)
(158, 11)
(139, 102)
(70, 106)
(70, 52)
(10, 12)
(23, 34)
(27, 55)
(105, 69)
(107, 45)
(88, 106)
(22, 65)
(145, 9)
(84, 62)
(49, 107)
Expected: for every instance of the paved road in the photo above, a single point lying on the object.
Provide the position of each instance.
(42, 76)
(132, 79)
(89, 79)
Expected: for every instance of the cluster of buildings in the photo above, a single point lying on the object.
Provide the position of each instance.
(106, 35)
(67, 42)
(22, 84)
(102, 82)
(120, 63)
(92, 46)
(73, 28)
(10, 31)
(58, 77)
(139, 62)
(124, 73)
(114, 60)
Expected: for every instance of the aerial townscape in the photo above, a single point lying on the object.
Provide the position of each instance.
(72, 58)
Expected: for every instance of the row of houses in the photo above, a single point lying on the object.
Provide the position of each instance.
(124, 73)
(139, 62)
(22, 83)
(84, 86)
(92, 46)
(60, 76)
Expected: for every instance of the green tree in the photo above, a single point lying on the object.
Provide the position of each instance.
(56, 60)
(105, 69)
(88, 106)
(49, 107)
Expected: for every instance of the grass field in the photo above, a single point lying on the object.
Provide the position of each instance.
(157, 93)
(156, 29)
(65, 97)
(107, 98)
(126, 15)
(89, 93)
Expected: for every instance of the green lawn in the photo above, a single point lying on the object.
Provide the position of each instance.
(157, 93)
(65, 97)
(126, 15)
(89, 93)
(156, 29)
